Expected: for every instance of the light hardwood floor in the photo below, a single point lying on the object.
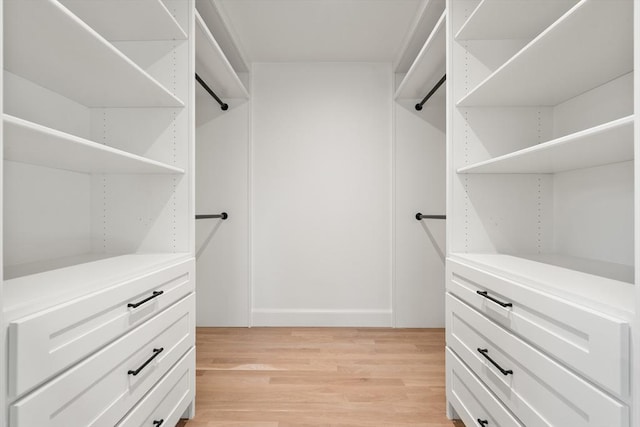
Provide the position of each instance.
(276, 377)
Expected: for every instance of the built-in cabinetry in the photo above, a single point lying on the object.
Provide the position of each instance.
(541, 209)
(98, 292)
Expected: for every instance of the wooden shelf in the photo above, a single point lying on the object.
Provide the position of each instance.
(514, 19)
(128, 20)
(430, 12)
(543, 73)
(31, 143)
(214, 68)
(49, 45)
(608, 143)
(582, 281)
(36, 289)
(429, 66)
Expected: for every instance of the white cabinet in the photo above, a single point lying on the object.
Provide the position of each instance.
(541, 208)
(98, 258)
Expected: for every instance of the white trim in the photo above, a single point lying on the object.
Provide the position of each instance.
(313, 317)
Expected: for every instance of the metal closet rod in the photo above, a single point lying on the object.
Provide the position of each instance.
(419, 216)
(206, 87)
(431, 92)
(222, 215)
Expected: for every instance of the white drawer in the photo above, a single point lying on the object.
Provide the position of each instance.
(473, 402)
(100, 390)
(538, 390)
(168, 399)
(45, 343)
(589, 342)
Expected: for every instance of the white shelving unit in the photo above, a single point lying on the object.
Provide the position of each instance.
(60, 52)
(98, 146)
(31, 143)
(609, 143)
(537, 75)
(212, 65)
(428, 67)
(541, 196)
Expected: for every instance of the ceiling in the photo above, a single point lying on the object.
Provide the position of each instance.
(319, 30)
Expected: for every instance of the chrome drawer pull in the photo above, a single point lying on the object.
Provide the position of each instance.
(158, 422)
(484, 351)
(156, 352)
(500, 303)
(482, 423)
(138, 304)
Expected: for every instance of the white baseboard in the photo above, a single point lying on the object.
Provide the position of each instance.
(291, 317)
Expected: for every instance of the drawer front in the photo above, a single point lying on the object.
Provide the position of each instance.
(538, 390)
(472, 400)
(168, 399)
(593, 344)
(43, 344)
(104, 387)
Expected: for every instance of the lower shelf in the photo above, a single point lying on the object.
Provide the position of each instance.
(603, 286)
(28, 288)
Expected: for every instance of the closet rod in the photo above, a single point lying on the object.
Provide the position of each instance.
(431, 92)
(222, 215)
(206, 87)
(419, 216)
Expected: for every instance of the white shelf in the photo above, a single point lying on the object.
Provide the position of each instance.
(128, 20)
(579, 280)
(425, 22)
(577, 53)
(214, 68)
(47, 44)
(31, 143)
(513, 19)
(429, 66)
(608, 143)
(68, 278)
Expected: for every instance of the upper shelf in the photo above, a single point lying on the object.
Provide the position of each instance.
(426, 20)
(514, 19)
(587, 47)
(128, 20)
(429, 66)
(608, 143)
(34, 144)
(58, 51)
(213, 66)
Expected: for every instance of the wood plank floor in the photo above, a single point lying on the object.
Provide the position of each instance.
(277, 377)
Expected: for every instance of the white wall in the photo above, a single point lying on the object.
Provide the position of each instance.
(321, 214)
(419, 187)
(222, 247)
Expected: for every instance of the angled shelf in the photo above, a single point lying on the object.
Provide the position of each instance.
(213, 66)
(49, 45)
(28, 287)
(128, 20)
(430, 12)
(539, 75)
(605, 144)
(580, 280)
(28, 142)
(429, 66)
(515, 19)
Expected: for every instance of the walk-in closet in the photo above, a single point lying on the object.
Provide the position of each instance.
(320, 213)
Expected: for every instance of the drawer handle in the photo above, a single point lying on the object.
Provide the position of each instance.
(484, 351)
(138, 304)
(482, 423)
(156, 352)
(500, 303)
(158, 422)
